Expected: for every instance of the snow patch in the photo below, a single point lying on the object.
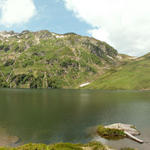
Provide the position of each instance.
(5, 34)
(59, 36)
(85, 84)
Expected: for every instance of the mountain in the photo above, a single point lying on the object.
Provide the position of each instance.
(134, 75)
(48, 60)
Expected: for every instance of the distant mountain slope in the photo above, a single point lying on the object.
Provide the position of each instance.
(49, 60)
(134, 75)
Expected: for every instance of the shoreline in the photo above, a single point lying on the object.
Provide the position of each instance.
(63, 146)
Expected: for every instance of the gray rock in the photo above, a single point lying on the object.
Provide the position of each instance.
(126, 127)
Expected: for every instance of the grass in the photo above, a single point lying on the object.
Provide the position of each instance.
(59, 146)
(111, 134)
(132, 76)
(62, 146)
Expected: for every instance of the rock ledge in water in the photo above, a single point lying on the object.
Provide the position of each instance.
(125, 127)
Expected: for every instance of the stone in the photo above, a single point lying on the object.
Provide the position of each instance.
(125, 127)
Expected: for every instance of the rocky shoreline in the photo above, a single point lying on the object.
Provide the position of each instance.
(63, 146)
(113, 132)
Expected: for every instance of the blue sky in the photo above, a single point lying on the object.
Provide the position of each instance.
(124, 24)
(52, 15)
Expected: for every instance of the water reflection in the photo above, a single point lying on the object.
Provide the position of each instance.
(64, 115)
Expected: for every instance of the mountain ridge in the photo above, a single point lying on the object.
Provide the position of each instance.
(45, 59)
(49, 60)
(132, 76)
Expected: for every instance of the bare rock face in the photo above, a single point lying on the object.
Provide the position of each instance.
(125, 127)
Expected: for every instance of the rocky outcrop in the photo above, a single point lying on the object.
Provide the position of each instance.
(129, 130)
(125, 127)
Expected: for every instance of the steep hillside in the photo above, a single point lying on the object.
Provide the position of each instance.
(49, 60)
(133, 75)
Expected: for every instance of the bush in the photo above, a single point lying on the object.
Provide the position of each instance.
(59, 146)
(110, 133)
(27, 63)
(69, 63)
(21, 78)
(4, 47)
(9, 62)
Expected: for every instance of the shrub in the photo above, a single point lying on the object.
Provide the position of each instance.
(110, 133)
(69, 63)
(9, 62)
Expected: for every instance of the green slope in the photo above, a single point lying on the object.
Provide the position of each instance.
(49, 60)
(134, 75)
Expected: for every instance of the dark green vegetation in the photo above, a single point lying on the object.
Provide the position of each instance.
(60, 146)
(48, 60)
(112, 134)
(63, 146)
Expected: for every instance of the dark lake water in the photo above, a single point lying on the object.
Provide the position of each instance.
(50, 116)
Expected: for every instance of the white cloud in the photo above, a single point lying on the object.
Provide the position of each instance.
(16, 11)
(100, 34)
(123, 23)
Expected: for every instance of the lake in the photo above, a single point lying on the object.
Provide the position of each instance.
(51, 116)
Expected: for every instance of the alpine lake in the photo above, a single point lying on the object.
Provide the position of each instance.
(52, 116)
